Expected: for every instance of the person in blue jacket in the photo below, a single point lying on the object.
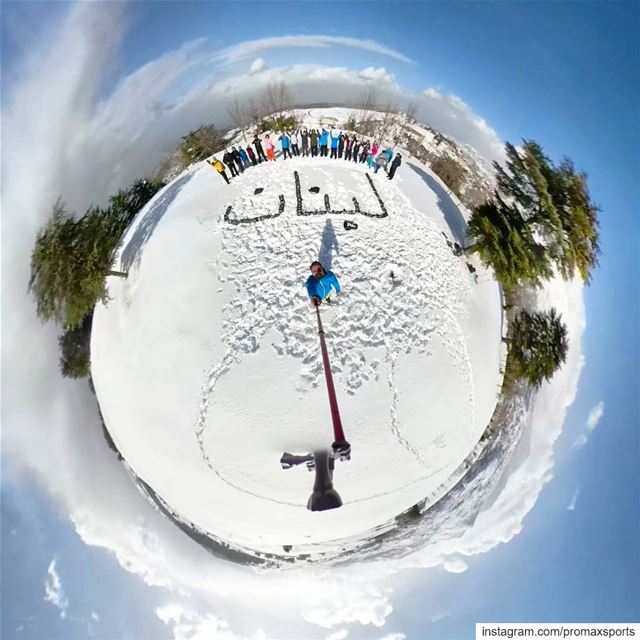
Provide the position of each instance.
(285, 140)
(320, 284)
(244, 157)
(335, 138)
(324, 139)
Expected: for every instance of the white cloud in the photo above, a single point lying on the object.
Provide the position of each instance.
(377, 74)
(592, 422)
(340, 634)
(367, 605)
(187, 624)
(455, 565)
(440, 616)
(594, 416)
(53, 591)
(250, 48)
(456, 118)
(95, 616)
(574, 498)
(257, 66)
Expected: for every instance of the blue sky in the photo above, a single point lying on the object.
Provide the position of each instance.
(564, 74)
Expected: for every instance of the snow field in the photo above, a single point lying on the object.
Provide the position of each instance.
(207, 363)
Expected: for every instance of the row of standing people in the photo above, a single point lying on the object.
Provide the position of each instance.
(305, 143)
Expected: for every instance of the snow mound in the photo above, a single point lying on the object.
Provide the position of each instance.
(207, 364)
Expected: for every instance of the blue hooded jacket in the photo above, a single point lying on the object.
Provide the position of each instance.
(285, 141)
(324, 136)
(322, 287)
(243, 155)
(334, 142)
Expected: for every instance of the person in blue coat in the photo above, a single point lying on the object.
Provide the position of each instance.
(244, 157)
(324, 140)
(320, 284)
(335, 138)
(285, 140)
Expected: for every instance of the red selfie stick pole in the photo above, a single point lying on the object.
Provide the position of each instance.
(340, 442)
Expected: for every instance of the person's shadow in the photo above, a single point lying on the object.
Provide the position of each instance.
(328, 243)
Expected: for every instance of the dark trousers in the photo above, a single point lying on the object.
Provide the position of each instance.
(347, 154)
(239, 163)
(392, 171)
(355, 157)
(294, 148)
(314, 151)
(254, 162)
(232, 168)
(340, 151)
(305, 150)
(323, 150)
(261, 155)
(334, 152)
(286, 152)
(224, 175)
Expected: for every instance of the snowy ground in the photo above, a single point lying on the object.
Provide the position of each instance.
(207, 365)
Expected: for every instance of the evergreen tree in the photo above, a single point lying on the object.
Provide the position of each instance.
(68, 266)
(200, 144)
(75, 360)
(71, 258)
(538, 345)
(124, 206)
(504, 242)
(541, 210)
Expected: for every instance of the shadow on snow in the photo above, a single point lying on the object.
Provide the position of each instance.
(328, 244)
(453, 216)
(144, 230)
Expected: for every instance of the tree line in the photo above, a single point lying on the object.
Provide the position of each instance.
(539, 223)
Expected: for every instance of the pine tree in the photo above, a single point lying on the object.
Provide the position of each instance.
(72, 257)
(75, 360)
(541, 217)
(504, 242)
(538, 345)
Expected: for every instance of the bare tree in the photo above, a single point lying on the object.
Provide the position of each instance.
(411, 110)
(404, 120)
(239, 117)
(388, 122)
(276, 98)
(255, 112)
(365, 118)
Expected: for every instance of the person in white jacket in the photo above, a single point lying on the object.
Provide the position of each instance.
(295, 141)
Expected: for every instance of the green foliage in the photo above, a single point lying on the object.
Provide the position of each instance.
(71, 257)
(452, 173)
(538, 345)
(279, 123)
(504, 242)
(200, 144)
(64, 279)
(351, 125)
(75, 352)
(541, 218)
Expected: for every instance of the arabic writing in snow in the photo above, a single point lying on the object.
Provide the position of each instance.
(301, 211)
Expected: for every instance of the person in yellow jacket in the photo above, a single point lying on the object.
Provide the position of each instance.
(219, 167)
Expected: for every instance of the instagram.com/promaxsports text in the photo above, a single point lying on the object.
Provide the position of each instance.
(487, 630)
